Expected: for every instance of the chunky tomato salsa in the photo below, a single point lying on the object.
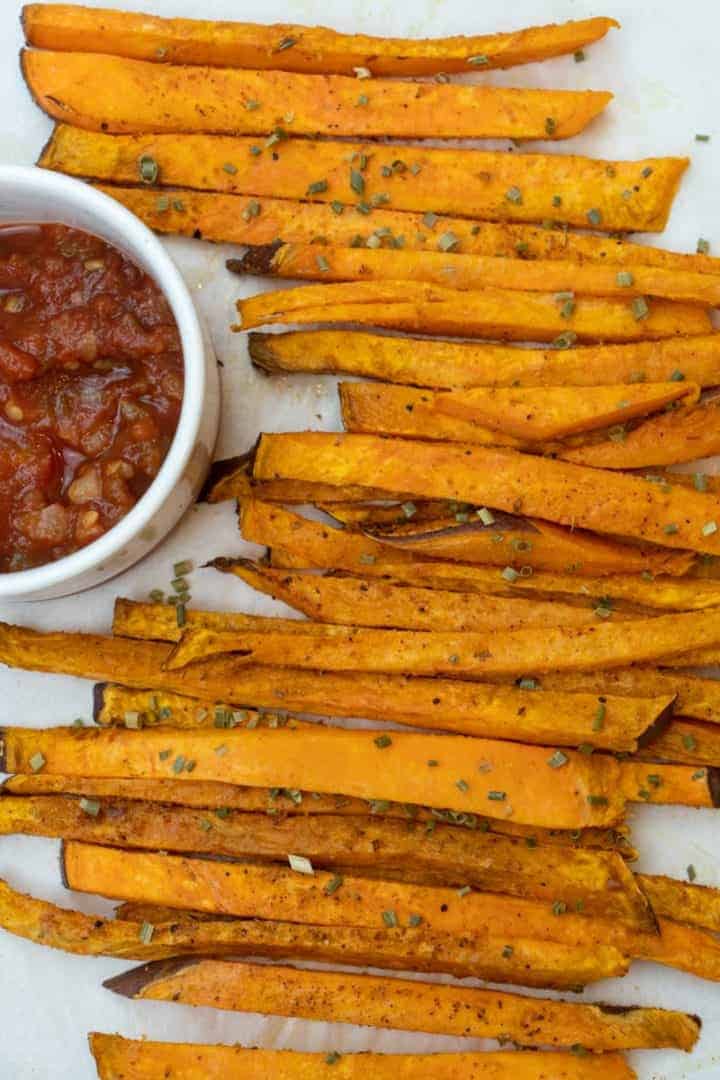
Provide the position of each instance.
(91, 384)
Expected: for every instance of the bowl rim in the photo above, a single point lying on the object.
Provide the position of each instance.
(44, 184)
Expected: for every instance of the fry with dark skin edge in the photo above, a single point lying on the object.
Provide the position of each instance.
(686, 742)
(697, 905)
(584, 792)
(360, 515)
(115, 94)
(288, 47)
(598, 882)
(117, 1058)
(500, 479)
(374, 602)
(424, 702)
(684, 434)
(471, 272)
(462, 182)
(231, 479)
(417, 652)
(408, 1005)
(450, 364)
(490, 312)
(226, 218)
(298, 543)
(274, 892)
(279, 803)
(541, 964)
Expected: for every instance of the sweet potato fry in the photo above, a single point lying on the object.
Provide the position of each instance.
(416, 652)
(697, 698)
(304, 544)
(687, 948)
(360, 515)
(687, 742)
(231, 479)
(533, 963)
(429, 703)
(490, 312)
(374, 602)
(697, 905)
(670, 785)
(288, 47)
(684, 434)
(558, 411)
(466, 183)
(501, 479)
(116, 94)
(280, 803)
(472, 272)
(118, 1057)
(525, 542)
(598, 882)
(274, 892)
(448, 364)
(405, 1004)
(584, 791)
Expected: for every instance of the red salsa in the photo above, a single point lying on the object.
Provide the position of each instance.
(91, 384)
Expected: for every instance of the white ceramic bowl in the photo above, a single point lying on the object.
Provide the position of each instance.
(36, 195)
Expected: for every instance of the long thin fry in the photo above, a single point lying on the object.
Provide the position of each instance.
(290, 47)
(466, 183)
(685, 434)
(404, 949)
(682, 901)
(274, 892)
(472, 272)
(448, 364)
(490, 312)
(117, 1057)
(501, 479)
(231, 478)
(584, 792)
(597, 882)
(686, 742)
(696, 697)
(115, 94)
(405, 1004)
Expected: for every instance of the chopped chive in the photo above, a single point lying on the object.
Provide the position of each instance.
(255, 151)
(462, 785)
(599, 718)
(689, 742)
(230, 168)
(333, 1058)
(322, 264)
(654, 780)
(448, 241)
(363, 99)
(148, 169)
(637, 377)
(453, 658)
(390, 919)
(180, 615)
(382, 742)
(333, 885)
(670, 529)
(464, 891)
(90, 806)
(528, 684)
(586, 748)
(567, 310)
(379, 806)
(251, 106)
(286, 43)
(37, 761)
(604, 608)
(709, 528)
(639, 308)
(497, 796)
(557, 200)
(550, 125)
(146, 933)
(415, 921)
(559, 907)
(565, 340)
(300, 864)
(625, 279)
(703, 247)
(478, 61)
(162, 203)
(357, 181)
(409, 509)
(579, 1050)
(486, 516)
(701, 774)
(507, 952)
(647, 171)
(594, 216)
(183, 567)
(368, 559)
(557, 760)
(691, 872)
(514, 195)
(362, 73)
(677, 376)
(700, 481)
(252, 210)
(597, 800)
(510, 574)
(429, 219)
(132, 720)
(702, 138)
(157, 596)
(164, 754)
(579, 56)
(317, 187)
(531, 841)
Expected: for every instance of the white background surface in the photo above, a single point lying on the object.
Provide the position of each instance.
(663, 68)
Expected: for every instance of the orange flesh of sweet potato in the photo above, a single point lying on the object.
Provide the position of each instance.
(500, 479)
(490, 312)
(465, 183)
(405, 1004)
(682, 901)
(512, 785)
(290, 47)
(116, 1057)
(684, 434)
(472, 272)
(448, 364)
(116, 94)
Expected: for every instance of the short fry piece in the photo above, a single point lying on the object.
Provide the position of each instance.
(448, 364)
(272, 892)
(404, 949)
(117, 1057)
(599, 882)
(490, 312)
(466, 183)
(671, 785)
(558, 411)
(686, 742)
(287, 47)
(685, 434)
(697, 905)
(231, 478)
(115, 94)
(473, 272)
(687, 948)
(696, 697)
(405, 1004)
(501, 479)
(340, 761)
